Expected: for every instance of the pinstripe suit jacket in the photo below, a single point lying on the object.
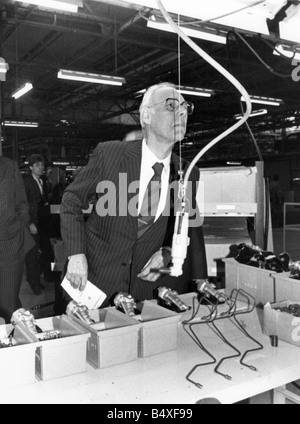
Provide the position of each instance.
(114, 252)
(15, 239)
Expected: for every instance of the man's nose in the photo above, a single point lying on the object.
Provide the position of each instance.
(182, 110)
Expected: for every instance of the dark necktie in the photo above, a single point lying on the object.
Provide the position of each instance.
(40, 184)
(151, 200)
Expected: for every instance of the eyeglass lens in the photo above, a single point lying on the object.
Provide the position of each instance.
(173, 104)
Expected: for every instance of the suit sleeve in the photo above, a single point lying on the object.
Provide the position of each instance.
(196, 252)
(76, 199)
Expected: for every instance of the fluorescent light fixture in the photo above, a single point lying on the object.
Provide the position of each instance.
(254, 113)
(23, 90)
(3, 66)
(287, 51)
(64, 5)
(3, 69)
(264, 100)
(21, 124)
(191, 91)
(91, 78)
(214, 36)
(253, 19)
(194, 91)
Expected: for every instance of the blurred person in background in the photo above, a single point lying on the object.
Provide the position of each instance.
(15, 238)
(38, 260)
(277, 201)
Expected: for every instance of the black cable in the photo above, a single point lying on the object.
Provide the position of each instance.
(268, 67)
(267, 207)
(279, 52)
(252, 136)
(243, 112)
(243, 329)
(258, 150)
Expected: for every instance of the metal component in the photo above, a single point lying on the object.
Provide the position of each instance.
(126, 303)
(209, 290)
(79, 311)
(231, 313)
(7, 342)
(171, 298)
(250, 308)
(166, 271)
(49, 335)
(22, 316)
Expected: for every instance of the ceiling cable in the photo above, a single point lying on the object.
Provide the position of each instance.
(220, 69)
(269, 68)
(179, 85)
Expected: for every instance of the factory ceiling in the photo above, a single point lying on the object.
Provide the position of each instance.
(111, 37)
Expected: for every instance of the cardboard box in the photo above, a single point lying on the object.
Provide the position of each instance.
(17, 363)
(159, 329)
(63, 356)
(258, 282)
(285, 287)
(113, 338)
(282, 324)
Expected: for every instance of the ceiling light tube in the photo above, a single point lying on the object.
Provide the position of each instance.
(3, 66)
(91, 78)
(23, 90)
(64, 5)
(21, 124)
(254, 113)
(264, 100)
(194, 91)
(214, 36)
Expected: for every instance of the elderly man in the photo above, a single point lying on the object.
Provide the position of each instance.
(15, 239)
(118, 248)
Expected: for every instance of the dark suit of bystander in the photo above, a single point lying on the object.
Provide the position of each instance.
(15, 239)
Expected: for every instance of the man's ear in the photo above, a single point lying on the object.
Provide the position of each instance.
(146, 115)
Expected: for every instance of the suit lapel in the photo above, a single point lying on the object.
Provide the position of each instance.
(35, 186)
(131, 167)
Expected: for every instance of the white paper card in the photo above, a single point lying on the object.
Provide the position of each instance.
(91, 296)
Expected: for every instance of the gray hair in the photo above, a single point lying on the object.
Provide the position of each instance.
(148, 96)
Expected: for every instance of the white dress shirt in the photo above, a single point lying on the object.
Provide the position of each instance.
(147, 172)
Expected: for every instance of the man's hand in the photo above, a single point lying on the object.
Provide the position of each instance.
(159, 260)
(33, 229)
(77, 272)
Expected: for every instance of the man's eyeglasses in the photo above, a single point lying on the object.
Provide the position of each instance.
(173, 104)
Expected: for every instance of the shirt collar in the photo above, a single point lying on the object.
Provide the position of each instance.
(149, 158)
(38, 179)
